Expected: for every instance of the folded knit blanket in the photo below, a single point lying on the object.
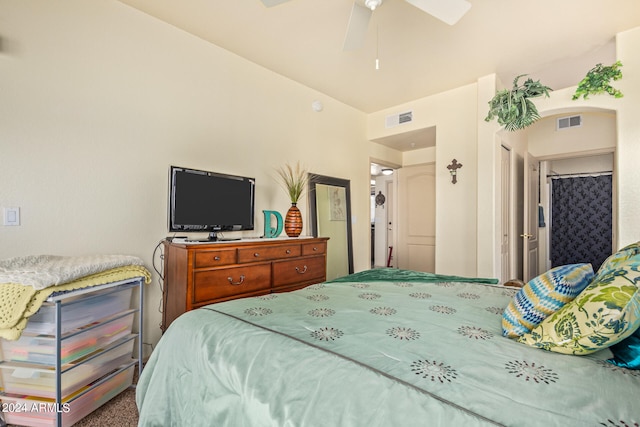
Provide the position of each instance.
(41, 271)
(26, 282)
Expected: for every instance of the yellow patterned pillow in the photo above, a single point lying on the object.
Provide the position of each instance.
(605, 313)
(612, 262)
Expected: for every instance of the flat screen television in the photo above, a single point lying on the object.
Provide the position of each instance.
(209, 201)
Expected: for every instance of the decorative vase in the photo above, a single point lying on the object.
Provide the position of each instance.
(293, 221)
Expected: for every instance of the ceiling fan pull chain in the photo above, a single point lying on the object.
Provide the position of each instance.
(377, 44)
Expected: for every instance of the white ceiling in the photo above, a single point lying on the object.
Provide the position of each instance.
(556, 41)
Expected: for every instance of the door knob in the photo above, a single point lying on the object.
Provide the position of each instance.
(526, 235)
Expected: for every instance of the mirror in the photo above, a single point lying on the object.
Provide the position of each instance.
(330, 210)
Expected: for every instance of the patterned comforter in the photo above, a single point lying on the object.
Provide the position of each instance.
(371, 350)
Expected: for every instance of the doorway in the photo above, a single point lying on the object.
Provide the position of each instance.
(383, 207)
(580, 200)
(584, 149)
(403, 219)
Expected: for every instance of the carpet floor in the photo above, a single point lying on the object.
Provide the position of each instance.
(121, 411)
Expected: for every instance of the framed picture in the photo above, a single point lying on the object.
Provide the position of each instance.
(337, 200)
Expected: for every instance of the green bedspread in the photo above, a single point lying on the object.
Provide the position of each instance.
(373, 351)
(396, 275)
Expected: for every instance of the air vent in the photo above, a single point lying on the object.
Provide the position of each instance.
(398, 119)
(569, 122)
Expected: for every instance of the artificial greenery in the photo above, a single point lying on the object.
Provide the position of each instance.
(598, 81)
(293, 180)
(514, 108)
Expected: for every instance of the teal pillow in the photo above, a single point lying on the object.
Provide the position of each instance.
(626, 353)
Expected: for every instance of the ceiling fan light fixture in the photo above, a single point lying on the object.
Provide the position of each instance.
(372, 4)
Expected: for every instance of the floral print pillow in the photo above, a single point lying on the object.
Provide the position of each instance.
(611, 263)
(605, 313)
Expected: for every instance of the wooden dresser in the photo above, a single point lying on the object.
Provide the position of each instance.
(198, 274)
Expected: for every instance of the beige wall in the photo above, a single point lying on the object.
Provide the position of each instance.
(596, 135)
(98, 99)
(453, 113)
(628, 148)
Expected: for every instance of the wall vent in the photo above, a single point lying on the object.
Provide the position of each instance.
(569, 122)
(398, 119)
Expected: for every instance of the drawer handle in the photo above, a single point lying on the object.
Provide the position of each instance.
(216, 258)
(230, 279)
(256, 254)
(304, 270)
(288, 251)
(315, 249)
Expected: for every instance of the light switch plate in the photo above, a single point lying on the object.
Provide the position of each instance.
(11, 216)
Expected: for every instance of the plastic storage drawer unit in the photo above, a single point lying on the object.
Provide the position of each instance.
(35, 412)
(76, 344)
(40, 381)
(79, 312)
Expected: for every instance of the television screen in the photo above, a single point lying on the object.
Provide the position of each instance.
(209, 201)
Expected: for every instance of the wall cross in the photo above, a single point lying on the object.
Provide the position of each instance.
(453, 170)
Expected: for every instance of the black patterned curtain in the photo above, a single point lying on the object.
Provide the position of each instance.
(581, 221)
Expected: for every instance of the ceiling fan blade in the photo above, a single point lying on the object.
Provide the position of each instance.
(270, 3)
(449, 11)
(357, 28)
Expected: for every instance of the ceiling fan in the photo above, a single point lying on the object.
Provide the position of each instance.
(448, 11)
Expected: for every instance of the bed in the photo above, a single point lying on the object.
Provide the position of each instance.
(378, 348)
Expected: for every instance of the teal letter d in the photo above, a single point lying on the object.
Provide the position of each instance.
(270, 232)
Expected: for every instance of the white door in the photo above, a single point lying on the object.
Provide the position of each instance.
(530, 220)
(384, 221)
(505, 248)
(389, 225)
(416, 218)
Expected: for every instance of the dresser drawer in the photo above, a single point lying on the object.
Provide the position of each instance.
(266, 253)
(225, 282)
(314, 248)
(299, 270)
(204, 259)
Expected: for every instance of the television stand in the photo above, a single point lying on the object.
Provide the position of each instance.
(196, 275)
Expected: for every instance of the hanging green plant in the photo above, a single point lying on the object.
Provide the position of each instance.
(598, 81)
(514, 108)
